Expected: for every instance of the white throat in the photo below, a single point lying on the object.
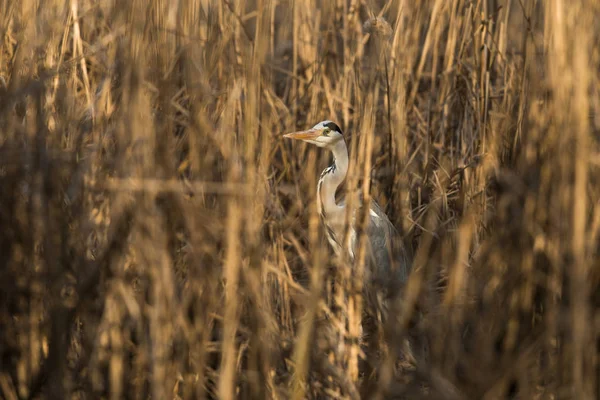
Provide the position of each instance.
(332, 177)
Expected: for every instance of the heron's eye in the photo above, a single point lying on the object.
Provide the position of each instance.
(326, 131)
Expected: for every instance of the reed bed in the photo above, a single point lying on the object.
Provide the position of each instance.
(159, 239)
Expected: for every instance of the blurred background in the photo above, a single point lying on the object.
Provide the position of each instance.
(159, 239)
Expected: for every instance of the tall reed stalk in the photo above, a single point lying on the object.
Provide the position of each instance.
(159, 238)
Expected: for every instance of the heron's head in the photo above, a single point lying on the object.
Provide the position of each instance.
(324, 134)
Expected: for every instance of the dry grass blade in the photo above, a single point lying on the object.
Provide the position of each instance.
(160, 238)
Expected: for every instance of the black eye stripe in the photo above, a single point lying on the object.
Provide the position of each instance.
(333, 126)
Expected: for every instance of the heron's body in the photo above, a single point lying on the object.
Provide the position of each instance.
(387, 261)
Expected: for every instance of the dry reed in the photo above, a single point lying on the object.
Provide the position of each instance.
(160, 239)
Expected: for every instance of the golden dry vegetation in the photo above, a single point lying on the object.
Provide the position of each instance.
(159, 239)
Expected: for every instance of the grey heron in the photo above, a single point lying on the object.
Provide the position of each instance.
(387, 263)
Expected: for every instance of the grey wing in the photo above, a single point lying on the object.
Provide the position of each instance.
(388, 254)
(388, 264)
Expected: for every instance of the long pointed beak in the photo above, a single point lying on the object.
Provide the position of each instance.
(303, 135)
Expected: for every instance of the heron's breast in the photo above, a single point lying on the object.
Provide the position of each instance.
(335, 235)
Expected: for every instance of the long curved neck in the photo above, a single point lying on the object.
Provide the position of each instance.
(331, 178)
